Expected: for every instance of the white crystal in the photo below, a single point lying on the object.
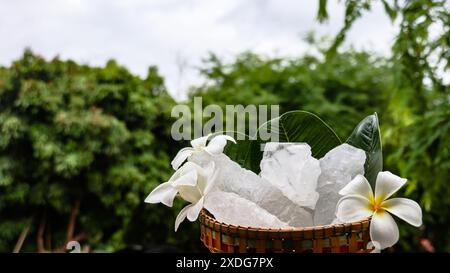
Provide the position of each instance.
(230, 208)
(248, 185)
(291, 168)
(339, 166)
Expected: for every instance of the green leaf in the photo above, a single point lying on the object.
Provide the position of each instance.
(366, 136)
(294, 126)
(303, 126)
(244, 152)
(390, 10)
(322, 14)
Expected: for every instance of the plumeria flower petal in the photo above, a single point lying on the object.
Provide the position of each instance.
(189, 178)
(358, 186)
(217, 144)
(214, 147)
(383, 229)
(208, 175)
(181, 156)
(375, 246)
(191, 181)
(196, 195)
(194, 211)
(360, 202)
(182, 215)
(387, 184)
(164, 193)
(405, 209)
(353, 208)
(190, 194)
(200, 142)
(211, 182)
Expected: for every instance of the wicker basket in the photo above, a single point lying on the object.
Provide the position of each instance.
(339, 238)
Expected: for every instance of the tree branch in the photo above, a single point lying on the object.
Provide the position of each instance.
(72, 221)
(22, 237)
(40, 233)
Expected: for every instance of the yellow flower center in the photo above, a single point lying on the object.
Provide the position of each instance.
(199, 147)
(376, 204)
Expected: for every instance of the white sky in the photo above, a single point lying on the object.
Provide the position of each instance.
(174, 33)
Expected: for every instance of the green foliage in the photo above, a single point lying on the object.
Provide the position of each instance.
(353, 10)
(322, 13)
(415, 123)
(420, 152)
(294, 126)
(350, 86)
(72, 133)
(367, 137)
(302, 126)
(246, 151)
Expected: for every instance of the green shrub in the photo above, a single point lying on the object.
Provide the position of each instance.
(72, 134)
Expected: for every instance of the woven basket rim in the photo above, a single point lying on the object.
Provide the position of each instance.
(207, 218)
(337, 238)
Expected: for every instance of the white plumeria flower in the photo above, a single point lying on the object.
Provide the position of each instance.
(214, 147)
(374, 247)
(359, 202)
(192, 183)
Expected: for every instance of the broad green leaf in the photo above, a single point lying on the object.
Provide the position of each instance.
(244, 152)
(366, 136)
(303, 126)
(295, 126)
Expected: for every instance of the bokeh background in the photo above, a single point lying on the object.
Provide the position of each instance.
(87, 87)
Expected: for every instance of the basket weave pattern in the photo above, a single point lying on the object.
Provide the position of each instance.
(339, 238)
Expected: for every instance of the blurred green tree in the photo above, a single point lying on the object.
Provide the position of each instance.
(417, 120)
(80, 148)
(341, 91)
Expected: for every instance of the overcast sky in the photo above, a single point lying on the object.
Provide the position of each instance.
(174, 33)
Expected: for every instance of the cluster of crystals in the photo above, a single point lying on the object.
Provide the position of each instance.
(293, 189)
